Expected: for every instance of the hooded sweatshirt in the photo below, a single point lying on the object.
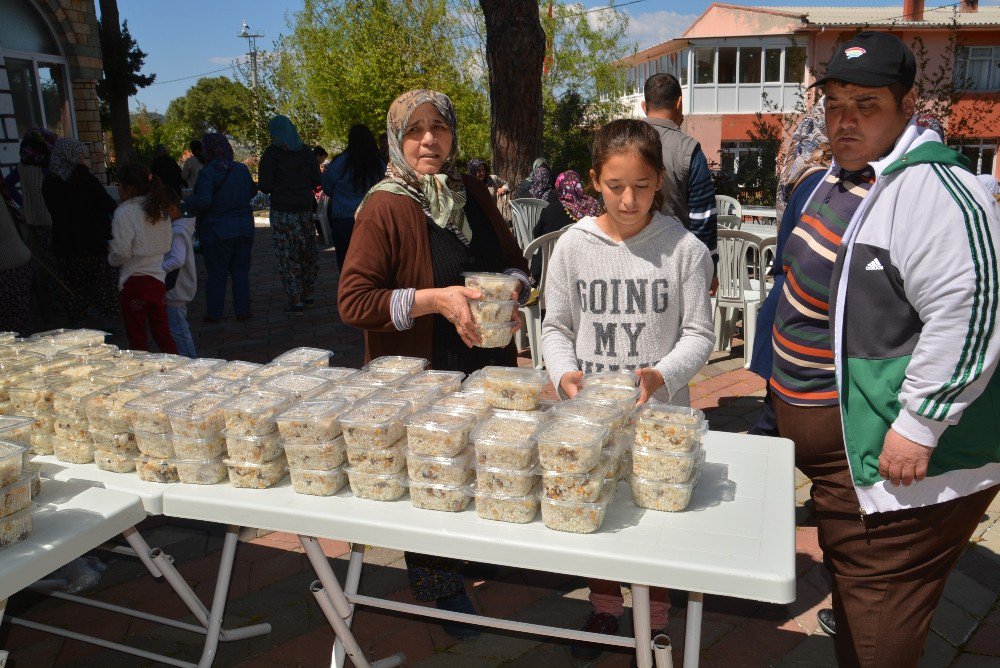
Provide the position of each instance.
(623, 305)
(181, 256)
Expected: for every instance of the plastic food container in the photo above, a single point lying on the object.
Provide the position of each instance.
(377, 486)
(317, 483)
(381, 378)
(514, 388)
(253, 413)
(51, 367)
(305, 357)
(664, 465)
(316, 456)
(72, 338)
(576, 516)
(476, 382)
(447, 498)
(664, 427)
(82, 370)
(398, 363)
(378, 460)
(253, 449)
(374, 424)
(71, 428)
(120, 373)
(16, 496)
(31, 395)
(67, 401)
(446, 381)
(197, 416)
(162, 362)
(439, 470)
(155, 470)
(417, 396)
(148, 412)
(604, 413)
(437, 432)
(490, 285)
(516, 482)
(569, 445)
(492, 312)
(15, 428)
(200, 471)
(349, 392)
(40, 443)
(311, 421)
(504, 507)
(296, 385)
(74, 452)
(212, 384)
(235, 370)
(576, 486)
(160, 446)
(94, 352)
(471, 402)
(670, 497)
(333, 374)
(612, 378)
(199, 368)
(15, 528)
(202, 449)
(494, 336)
(256, 476)
(116, 462)
(625, 397)
(504, 440)
(123, 442)
(257, 379)
(151, 382)
(105, 408)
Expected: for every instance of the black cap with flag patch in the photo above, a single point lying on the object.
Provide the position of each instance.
(872, 59)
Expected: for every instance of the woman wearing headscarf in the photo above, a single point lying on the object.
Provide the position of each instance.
(567, 204)
(221, 202)
(524, 187)
(289, 174)
(541, 183)
(415, 233)
(35, 152)
(81, 211)
(498, 188)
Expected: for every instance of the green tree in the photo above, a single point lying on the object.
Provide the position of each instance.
(213, 104)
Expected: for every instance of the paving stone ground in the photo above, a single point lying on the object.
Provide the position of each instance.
(271, 576)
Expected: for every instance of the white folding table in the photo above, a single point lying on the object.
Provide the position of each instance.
(157, 562)
(736, 539)
(68, 520)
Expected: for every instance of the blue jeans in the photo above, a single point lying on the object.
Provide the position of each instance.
(224, 259)
(177, 318)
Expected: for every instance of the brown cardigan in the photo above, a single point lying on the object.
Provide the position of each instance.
(390, 250)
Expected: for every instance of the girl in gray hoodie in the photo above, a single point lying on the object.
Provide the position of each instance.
(182, 286)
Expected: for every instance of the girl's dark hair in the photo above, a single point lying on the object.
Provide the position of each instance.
(139, 180)
(629, 135)
(363, 159)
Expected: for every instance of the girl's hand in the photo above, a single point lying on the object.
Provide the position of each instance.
(570, 383)
(650, 380)
(453, 304)
(517, 319)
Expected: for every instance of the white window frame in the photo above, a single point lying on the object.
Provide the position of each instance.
(979, 145)
(991, 70)
(48, 59)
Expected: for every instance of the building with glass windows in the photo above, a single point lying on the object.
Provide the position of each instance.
(735, 62)
(50, 62)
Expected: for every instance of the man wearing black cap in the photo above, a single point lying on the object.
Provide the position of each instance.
(886, 345)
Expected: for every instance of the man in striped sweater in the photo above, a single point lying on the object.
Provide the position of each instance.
(885, 350)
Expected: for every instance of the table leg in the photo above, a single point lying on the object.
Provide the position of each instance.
(692, 636)
(641, 626)
(351, 584)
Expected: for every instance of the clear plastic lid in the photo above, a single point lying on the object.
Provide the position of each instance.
(156, 401)
(375, 414)
(612, 378)
(209, 384)
(314, 410)
(398, 363)
(516, 375)
(162, 362)
(203, 366)
(119, 374)
(81, 369)
(83, 337)
(334, 374)
(14, 422)
(606, 497)
(491, 285)
(530, 471)
(599, 472)
(79, 389)
(261, 374)
(492, 310)
(196, 406)
(535, 493)
(687, 485)
(442, 419)
(475, 382)
(474, 402)
(513, 428)
(696, 454)
(296, 385)
(399, 477)
(97, 351)
(667, 414)
(349, 391)
(625, 397)
(257, 404)
(572, 432)
(23, 361)
(462, 460)
(235, 370)
(418, 396)
(158, 381)
(305, 357)
(380, 377)
(464, 489)
(435, 379)
(599, 412)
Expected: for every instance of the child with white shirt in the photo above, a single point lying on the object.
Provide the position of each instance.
(182, 285)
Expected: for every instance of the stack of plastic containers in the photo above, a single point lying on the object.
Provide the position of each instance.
(606, 414)
(196, 424)
(255, 456)
(71, 437)
(493, 311)
(17, 429)
(305, 357)
(297, 385)
(114, 442)
(570, 452)
(151, 425)
(312, 438)
(32, 396)
(666, 456)
(375, 439)
(507, 465)
(439, 461)
(15, 494)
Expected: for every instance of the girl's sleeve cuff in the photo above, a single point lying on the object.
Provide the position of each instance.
(400, 306)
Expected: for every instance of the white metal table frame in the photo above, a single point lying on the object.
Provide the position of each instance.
(158, 563)
(742, 546)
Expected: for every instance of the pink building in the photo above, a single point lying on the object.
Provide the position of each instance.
(736, 61)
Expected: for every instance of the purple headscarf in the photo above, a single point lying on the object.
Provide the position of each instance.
(571, 196)
(541, 183)
(218, 150)
(36, 147)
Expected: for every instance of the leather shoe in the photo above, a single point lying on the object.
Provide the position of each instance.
(826, 621)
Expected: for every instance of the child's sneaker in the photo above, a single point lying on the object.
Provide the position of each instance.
(597, 622)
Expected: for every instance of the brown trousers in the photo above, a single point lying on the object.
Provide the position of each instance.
(888, 569)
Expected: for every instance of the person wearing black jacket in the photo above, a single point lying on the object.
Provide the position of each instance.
(167, 169)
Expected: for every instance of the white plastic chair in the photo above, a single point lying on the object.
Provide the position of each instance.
(738, 252)
(533, 313)
(768, 249)
(727, 206)
(524, 216)
(323, 219)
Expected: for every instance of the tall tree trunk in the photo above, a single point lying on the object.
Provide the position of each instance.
(114, 68)
(515, 51)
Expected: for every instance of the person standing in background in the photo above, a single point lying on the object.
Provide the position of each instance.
(35, 152)
(192, 166)
(181, 276)
(15, 274)
(167, 169)
(497, 186)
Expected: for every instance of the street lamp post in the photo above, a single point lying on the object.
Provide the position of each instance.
(251, 38)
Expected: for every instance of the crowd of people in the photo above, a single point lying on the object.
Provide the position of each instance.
(881, 359)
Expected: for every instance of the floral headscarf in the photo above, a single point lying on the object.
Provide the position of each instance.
(808, 151)
(283, 133)
(36, 147)
(474, 166)
(442, 196)
(66, 155)
(218, 150)
(541, 183)
(570, 191)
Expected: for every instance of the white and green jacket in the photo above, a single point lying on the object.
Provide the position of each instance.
(913, 312)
